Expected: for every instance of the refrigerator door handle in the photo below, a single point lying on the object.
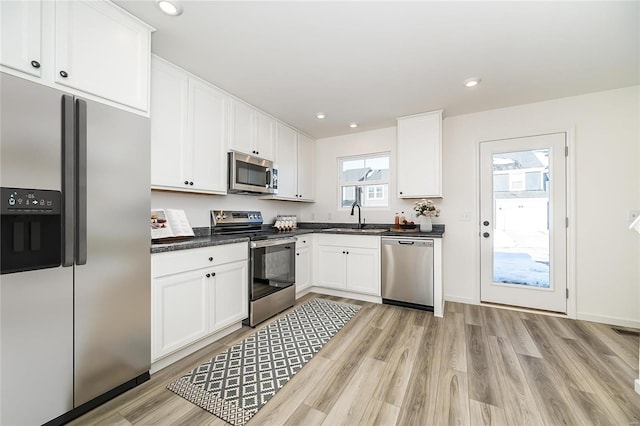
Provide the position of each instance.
(81, 182)
(68, 180)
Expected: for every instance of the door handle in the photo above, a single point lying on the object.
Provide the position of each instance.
(486, 235)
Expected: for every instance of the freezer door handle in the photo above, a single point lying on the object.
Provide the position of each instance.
(81, 182)
(68, 180)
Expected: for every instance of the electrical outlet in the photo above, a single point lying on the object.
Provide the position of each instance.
(464, 216)
(633, 214)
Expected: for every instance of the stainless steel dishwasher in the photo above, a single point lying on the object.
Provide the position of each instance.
(407, 272)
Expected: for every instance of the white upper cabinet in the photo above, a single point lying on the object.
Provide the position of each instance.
(252, 132)
(242, 136)
(169, 104)
(21, 36)
(287, 161)
(295, 160)
(92, 48)
(103, 51)
(207, 119)
(420, 155)
(266, 136)
(188, 128)
(306, 168)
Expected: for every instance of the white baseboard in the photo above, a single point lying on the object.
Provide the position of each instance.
(458, 299)
(167, 360)
(302, 292)
(623, 322)
(637, 385)
(347, 294)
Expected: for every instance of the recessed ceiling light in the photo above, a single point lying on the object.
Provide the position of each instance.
(353, 125)
(170, 7)
(471, 82)
(320, 115)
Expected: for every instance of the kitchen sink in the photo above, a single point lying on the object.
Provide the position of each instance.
(355, 230)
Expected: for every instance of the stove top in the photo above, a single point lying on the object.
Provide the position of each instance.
(242, 223)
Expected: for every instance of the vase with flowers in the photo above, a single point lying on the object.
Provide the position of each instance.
(425, 210)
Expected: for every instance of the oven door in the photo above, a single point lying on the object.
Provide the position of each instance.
(248, 174)
(273, 266)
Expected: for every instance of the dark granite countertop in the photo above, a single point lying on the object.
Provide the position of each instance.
(203, 237)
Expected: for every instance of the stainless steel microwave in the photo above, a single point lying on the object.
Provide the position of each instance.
(251, 175)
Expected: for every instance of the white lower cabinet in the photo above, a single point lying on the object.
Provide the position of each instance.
(179, 311)
(350, 263)
(229, 299)
(196, 293)
(304, 262)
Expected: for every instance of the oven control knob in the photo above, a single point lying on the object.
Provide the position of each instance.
(224, 216)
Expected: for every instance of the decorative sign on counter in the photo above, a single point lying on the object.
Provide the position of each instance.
(169, 225)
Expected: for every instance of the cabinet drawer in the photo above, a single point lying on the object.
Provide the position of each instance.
(188, 260)
(363, 241)
(304, 240)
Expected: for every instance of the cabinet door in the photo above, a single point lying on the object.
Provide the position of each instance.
(20, 33)
(363, 270)
(169, 100)
(179, 311)
(303, 267)
(306, 167)
(265, 139)
(207, 119)
(229, 294)
(287, 161)
(331, 267)
(243, 128)
(103, 51)
(419, 154)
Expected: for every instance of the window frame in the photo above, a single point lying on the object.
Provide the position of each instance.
(341, 184)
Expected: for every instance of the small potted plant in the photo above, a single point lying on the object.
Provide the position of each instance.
(425, 210)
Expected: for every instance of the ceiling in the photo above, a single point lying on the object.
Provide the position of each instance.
(370, 62)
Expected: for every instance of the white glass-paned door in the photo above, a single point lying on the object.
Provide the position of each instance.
(522, 229)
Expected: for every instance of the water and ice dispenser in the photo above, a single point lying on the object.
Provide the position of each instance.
(31, 229)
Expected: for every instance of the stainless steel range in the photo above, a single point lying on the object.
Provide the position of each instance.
(272, 262)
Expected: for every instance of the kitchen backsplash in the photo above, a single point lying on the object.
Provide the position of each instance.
(197, 206)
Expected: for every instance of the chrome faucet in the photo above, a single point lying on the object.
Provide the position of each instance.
(355, 204)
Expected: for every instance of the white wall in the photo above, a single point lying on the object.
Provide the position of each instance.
(328, 150)
(607, 149)
(197, 206)
(607, 144)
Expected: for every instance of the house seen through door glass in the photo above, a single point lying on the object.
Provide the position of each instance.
(521, 218)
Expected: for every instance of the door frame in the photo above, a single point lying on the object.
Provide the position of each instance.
(571, 214)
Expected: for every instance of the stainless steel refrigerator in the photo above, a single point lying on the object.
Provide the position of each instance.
(75, 329)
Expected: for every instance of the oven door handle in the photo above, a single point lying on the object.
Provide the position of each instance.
(272, 242)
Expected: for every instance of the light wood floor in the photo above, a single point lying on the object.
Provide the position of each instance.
(390, 365)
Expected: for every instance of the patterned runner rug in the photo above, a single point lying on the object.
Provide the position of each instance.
(235, 384)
